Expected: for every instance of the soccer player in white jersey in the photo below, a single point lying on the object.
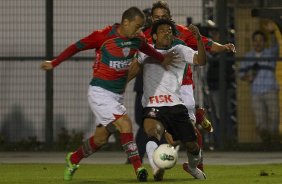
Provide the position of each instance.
(164, 107)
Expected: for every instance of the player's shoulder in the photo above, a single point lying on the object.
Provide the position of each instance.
(108, 30)
(183, 31)
(180, 27)
(178, 41)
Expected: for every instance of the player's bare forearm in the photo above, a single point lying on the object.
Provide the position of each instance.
(201, 57)
(134, 69)
(218, 48)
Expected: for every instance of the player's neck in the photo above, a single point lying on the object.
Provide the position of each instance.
(162, 47)
(121, 31)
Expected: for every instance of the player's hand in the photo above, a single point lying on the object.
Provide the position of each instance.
(230, 47)
(194, 29)
(170, 58)
(46, 65)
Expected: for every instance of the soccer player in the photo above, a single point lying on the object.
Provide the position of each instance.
(115, 47)
(164, 107)
(160, 10)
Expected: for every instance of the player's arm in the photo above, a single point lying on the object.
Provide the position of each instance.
(134, 69)
(86, 43)
(217, 47)
(165, 60)
(208, 43)
(67, 53)
(201, 57)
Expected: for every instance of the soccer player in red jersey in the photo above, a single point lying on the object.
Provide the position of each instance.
(160, 10)
(115, 47)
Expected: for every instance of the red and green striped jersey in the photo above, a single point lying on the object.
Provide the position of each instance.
(114, 54)
(184, 34)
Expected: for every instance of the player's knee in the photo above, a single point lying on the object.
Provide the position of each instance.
(155, 132)
(101, 140)
(152, 132)
(111, 128)
(192, 147)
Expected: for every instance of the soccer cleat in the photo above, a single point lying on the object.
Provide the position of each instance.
(197, 174)
(159, 174)
(202, 120)
(142, 174)
(70, 169)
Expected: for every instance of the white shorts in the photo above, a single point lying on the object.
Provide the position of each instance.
(106, 105)
(187, 94)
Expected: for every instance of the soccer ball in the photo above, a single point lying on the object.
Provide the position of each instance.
(165, 156)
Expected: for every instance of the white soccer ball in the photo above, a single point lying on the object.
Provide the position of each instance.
(165, 156)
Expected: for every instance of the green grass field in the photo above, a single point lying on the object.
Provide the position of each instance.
(119, 173)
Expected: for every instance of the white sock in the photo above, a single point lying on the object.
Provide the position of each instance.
(193, 160)
(150, 148)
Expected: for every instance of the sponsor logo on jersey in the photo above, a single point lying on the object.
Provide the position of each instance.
(126, 43)
(160, 99)
(120, 65)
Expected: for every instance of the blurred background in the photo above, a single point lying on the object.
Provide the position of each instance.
(49, 111)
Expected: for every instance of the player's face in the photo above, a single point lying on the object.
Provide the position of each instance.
(164, 36)
(160, 13)
(134, 27)
(258, 43)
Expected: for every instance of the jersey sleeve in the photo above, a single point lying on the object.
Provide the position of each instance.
(141, 57)
(186, 53)
(148, 36)
(150, 51)
(92, 41)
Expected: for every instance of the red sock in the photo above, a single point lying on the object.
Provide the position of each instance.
(200, 143)
(130, 149)
(87, 148)
(199, 137)
(200, 115)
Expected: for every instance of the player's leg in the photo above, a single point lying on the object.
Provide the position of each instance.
(181, 128)
(124, 126)
(189, 102)
(109, 110)
(202, 120)
(98, 99)
(140, 135)
(154, 130)
(90, 146)
(194, 158)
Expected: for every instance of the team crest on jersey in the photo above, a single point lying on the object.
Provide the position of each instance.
(125, 51)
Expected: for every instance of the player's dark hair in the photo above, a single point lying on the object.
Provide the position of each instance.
(159, 22)
(131, 13)
(161, 5)
(258, 32)
(148, 22)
